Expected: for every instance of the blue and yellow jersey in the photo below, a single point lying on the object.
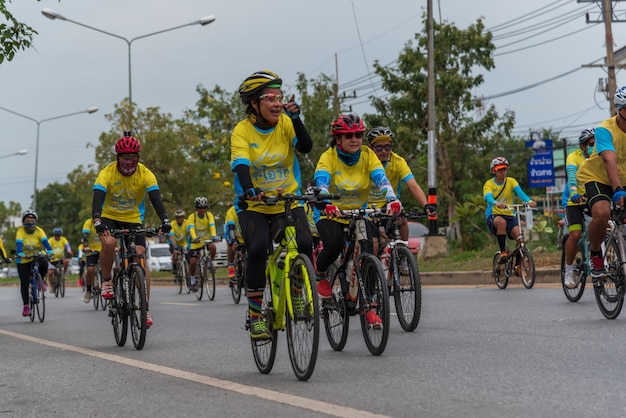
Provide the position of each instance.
(124, 199)
(270, 154)
(609, 137)
(3, 252)
(59, 246)
(30, 244)
(398, 172)
(203, 228)
(352, 182)
(491, 189)
(572, 162)
(178, 235)
(93, 239)
(231, 218)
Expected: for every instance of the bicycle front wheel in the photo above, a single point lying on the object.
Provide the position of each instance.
(57, 282)
(210, 281)
(118, 309)
(138, 307)
(374, 309)
(303, 328)
(609, 290)
(179, 277)
(334, 311)
(407, 288)
(238, 283)
(201, 277)
(527, 268)
(41, 302)
(499, 272)
(264, 350)
(62, 282)
(580, 271)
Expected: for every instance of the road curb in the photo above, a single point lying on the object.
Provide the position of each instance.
(542, 276)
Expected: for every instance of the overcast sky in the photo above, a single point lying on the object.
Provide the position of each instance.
(73, 68)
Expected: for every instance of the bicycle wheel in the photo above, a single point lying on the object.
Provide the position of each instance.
(407, 288)
(57, 282)
(138, 307)
(574, 295)
(609, 290)
(527, 269)
(334, 311)
(39, 301)
(374, 298)
(201, 277)
(95, 293)
(98, 280)
(240, 271)
(62, 283)
(264, 351)
(118, 310)
(180, 276)
(303, 329)
(210, 280)
(499, 273)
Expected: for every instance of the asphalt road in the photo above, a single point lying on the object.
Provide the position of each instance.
(478, 352)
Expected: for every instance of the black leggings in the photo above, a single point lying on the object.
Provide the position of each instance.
(24, 271)
(332, 235)
(256, 228)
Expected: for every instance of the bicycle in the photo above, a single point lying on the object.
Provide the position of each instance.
(129, 303)
(582, 262)
(365, 291)
(36, 296)
(182, 270)
(206, 271)
(402, 273)
(520, 257)
(609, 290)
(290, 299)
(96, 294)
(58, 279)
(241, 263)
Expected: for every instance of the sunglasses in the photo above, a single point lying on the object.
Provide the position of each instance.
(358, 135)
(379, 148)
(30, 225)
(272, 98)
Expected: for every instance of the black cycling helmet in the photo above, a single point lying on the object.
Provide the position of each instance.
(252, 86)
(201, 202)
(586, 135)
(379, 133)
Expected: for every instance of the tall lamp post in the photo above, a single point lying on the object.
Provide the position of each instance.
(91, 109)
(20, 152)
(51, 14)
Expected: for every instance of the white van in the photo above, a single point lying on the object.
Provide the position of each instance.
(158, 257)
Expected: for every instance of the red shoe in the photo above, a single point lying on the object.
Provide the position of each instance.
(26, 310)
(149, 321)
(80, 282)
(231, 271)
(107, 290)
(324, 289)
(374, 320)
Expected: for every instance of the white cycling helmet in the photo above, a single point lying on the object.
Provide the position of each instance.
(620, 97)
(498, 162)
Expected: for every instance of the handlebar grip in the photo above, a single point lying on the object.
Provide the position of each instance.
(329, 196)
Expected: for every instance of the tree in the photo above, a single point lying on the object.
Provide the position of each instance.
(465, 126)
(14, 35)
(60, 208)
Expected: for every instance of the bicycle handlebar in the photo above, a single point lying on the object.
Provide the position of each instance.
(120, 232)
(287, 198)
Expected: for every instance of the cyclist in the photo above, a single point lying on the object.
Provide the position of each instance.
(499, 192)
(574, 210)
(380, 140)
(62, 252)
(263, 159)
(200, 226)
(92, 246)
(348, 168)
(81, 264)
(118, 202)
(30, 239)
(177, 238)
(603, 175)
(232, 233)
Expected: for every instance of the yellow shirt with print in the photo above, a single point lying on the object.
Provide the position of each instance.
(271, 158)
(178, 234)
(58, 248)
(575, 158)
(202, 228)
(32, 244)
(503, 196)
(397, 171)
(125, 195)
(93, 239)
(594, 169)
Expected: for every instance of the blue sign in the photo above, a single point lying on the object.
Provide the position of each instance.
(541, 165)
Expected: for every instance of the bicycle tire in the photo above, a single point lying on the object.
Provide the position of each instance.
(264, 351)
(210, 280)
(303, 329)
(98, 277)
(407, 288)
(179, 277)
(201, 274)
(499, 273)
(95, 292)
(574, 295)
(376, 297)
(118, 309)
(527, 268)
(62, 282)
(334, 311)
(57, 282)
(138, 307)
(240, 277)
(609, 291)
(39, 301)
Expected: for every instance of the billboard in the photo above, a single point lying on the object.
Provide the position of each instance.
(541, 164)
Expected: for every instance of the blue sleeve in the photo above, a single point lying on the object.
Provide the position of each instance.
(520, 193)
(46, 244)
(489, 198)
(604, 140)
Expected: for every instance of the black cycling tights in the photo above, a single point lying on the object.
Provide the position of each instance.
(256, 228)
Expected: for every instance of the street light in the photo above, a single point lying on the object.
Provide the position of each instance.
(91, 109)
(20, 152)
(51, 14)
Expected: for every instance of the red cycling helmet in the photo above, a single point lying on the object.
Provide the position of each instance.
(347, 123)
(127, 145)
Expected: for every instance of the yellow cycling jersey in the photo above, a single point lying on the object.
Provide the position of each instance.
(270, 154)
(93, 239)
(398, 172)
(572, 163)
(203, 228)
(3, 252)
(178, 234)
(58, 248)
(124, 199)
(502, 193)
(608, 136)
(31, 243)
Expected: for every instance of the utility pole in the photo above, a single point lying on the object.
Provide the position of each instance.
(432, 150)
(336, 88)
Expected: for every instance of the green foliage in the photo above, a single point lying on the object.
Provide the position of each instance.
(541, 228)
(14, 35)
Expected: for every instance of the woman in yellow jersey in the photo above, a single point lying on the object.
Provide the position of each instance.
(91, 248)
(349, 169)
(263, 159)
(200, 227)
(30, 240)
(177, 238)
(232, 233)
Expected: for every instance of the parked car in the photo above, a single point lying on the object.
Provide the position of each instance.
(416, 233)
(8, 272)
(74, 267)
(159, 257)
(221, 255)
